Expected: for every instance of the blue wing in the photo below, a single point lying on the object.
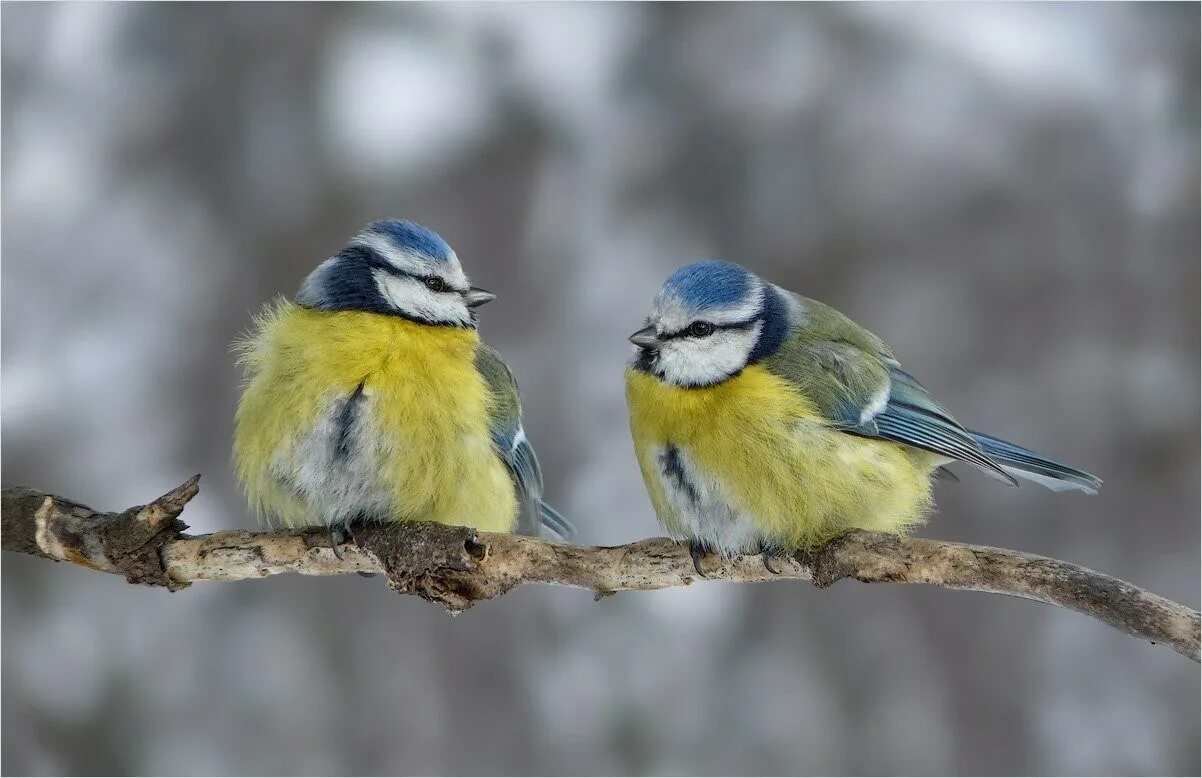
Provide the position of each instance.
(510, 443)
(865, 392)
(912, 416)
(528, 478)
(857, 385)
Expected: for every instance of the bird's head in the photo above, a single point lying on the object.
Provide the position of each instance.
(709, 321)
(399, 268)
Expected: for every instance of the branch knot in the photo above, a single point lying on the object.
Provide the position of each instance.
(438, 563)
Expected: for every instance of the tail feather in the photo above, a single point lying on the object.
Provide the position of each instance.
(555, 521)
(1025, 463)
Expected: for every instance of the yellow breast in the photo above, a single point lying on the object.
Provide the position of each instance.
(766, 450)
(421, 446)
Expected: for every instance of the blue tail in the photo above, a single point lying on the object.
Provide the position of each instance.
(1024, 463)
(555, 521)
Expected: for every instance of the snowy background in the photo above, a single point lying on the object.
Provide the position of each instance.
(1008, 193)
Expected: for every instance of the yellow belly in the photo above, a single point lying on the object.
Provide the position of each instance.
(762, 446)
(421, 448)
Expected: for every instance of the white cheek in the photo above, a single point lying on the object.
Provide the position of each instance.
(411, 297)
(701, 361)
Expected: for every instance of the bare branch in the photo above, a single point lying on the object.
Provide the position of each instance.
(456, 566)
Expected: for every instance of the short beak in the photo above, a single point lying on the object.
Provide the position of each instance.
(476, 296)
(645, 338)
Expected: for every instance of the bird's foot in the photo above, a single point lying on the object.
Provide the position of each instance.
(340, 533)
(767, 555)
(337, 538)
(697, 551)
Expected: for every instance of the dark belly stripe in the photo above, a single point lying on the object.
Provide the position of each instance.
(673, 469)
(346, 419)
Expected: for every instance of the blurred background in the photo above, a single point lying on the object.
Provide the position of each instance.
(1008, 193)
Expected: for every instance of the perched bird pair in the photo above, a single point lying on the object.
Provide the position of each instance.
(763, 421)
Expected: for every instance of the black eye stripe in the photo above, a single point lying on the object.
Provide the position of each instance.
(375, 262)
(735, 325)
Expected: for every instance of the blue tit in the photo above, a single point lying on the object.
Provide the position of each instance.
(764, 421)
(371, 398)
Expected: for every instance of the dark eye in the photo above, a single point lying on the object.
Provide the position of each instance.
(701, 329)
(435, 284)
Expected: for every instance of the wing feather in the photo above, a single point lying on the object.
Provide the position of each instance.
(512, 446)
(858, 386)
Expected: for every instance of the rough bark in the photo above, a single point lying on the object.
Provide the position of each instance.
(457, 566)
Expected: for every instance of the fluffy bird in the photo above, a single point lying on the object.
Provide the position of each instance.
(372, 398)
(764, 421)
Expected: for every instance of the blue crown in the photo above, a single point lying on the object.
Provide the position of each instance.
(412, 237)
(710, 284)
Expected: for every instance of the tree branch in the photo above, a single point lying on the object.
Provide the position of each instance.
(457, 566)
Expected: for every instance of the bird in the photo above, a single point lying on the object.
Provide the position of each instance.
(370, 397)
(766, 422)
